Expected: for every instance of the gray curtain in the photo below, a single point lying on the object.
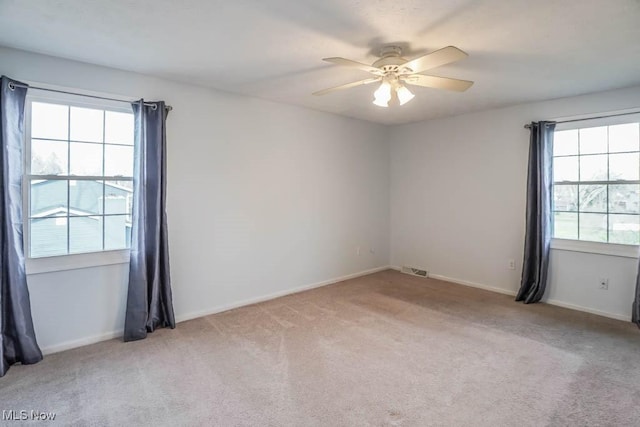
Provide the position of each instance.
(17, 337)
(149, 301)
(538, 228)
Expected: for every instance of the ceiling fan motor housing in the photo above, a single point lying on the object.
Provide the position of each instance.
(390, 61)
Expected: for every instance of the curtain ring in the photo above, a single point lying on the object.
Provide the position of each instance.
(12, 86)
(154, 107)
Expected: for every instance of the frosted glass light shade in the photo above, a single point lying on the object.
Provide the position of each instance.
(382, 95)
(404, 95)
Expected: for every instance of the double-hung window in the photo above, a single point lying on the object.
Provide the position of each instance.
(596, 181)
(78, 176)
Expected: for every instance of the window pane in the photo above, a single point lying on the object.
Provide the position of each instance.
(49, 157)
(593, 198)
(86, 159)
(78, 215)
(624, 137)
(85, 234)
(624, 198)
(118, 128)
(565, 169)
(593, 168)
(48, 198)
(565, 225)
(593, 140)
(86, 124)
(118, 160)
(117, 232)
(593, 227)
(565, 197)
(85, 197)
(565, 142)
(48, 236)
(118, 197)
(624, 229)
(49, 121)
(624, 166)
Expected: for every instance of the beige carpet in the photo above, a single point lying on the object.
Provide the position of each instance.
(386, 349)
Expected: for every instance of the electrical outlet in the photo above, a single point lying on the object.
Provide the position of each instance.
(511, 264)
(604, 283)
(372, 250)
(358, 250)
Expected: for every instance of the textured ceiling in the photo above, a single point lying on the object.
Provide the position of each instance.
(518, 50)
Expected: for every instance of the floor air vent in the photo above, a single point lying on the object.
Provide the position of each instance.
(414, 271)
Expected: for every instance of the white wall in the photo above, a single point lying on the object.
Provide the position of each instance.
(458, 203)
(263, 198)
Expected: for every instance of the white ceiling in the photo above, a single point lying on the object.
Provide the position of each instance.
(519, 50)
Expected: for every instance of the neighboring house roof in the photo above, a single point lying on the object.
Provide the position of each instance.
(85, 196)
(50, 228)
(53, 212)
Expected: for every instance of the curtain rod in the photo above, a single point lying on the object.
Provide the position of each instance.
(528, 126)
(13, 85)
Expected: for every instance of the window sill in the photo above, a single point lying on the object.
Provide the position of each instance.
(610, 249)
(75, 261)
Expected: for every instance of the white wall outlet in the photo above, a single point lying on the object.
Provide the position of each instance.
(604, 283)
(511, 264)
(358, 250)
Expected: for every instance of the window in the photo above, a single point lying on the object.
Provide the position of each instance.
(78, 181)
(596, 175)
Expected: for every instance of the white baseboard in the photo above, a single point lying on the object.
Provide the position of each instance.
(588, 310)
(513, 293)
(68, 345)
(465, 283)
(473, 284)
(267, 297)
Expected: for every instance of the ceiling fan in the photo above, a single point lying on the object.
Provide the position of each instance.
(394, 71)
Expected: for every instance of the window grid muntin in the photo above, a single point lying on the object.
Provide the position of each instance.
(68, 177)
(104, 182)
(608, 177)
(68, 183)
(607, 183)
(578, 194)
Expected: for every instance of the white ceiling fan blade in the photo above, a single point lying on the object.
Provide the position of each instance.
(348, 85)
(437, 82)
(435, 59)
(354, 64)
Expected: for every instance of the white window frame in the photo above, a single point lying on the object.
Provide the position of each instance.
(603, 248)
(67, 261)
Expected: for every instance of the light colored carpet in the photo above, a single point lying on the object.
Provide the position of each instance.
(385, 349)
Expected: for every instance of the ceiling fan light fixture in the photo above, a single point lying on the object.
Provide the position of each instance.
(382, 95)
(394, 72)
(404, 95)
